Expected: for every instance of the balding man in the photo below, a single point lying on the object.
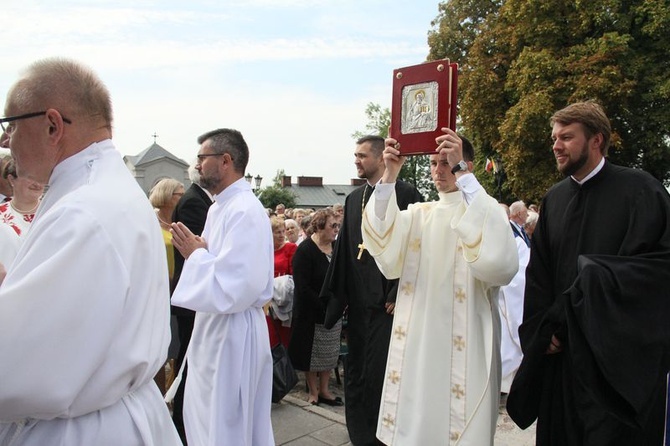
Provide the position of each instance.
(84, 308)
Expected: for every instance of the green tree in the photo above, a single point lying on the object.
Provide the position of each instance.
(273, 195)
(529, 58)
(416, 169)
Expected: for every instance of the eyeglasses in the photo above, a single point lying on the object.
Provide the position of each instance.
(335, 225)
(8, 129)
(202, 157)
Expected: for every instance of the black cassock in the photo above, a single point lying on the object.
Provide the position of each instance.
(358, 285)
(599, 279)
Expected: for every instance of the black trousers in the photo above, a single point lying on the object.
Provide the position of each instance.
(368, 336)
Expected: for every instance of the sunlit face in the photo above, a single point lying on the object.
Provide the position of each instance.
(368, 165)
(279, 236)
(575, 154)
(440, 171)
(329, 233)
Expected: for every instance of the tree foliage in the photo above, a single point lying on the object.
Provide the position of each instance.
(523, 59)
(273, 195)
(416, 169)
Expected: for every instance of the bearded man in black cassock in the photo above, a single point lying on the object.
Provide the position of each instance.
(595, 335)
(354, 282)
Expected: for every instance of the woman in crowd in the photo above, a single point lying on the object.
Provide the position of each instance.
(314, 349)
(284, 252)
(164, 196)
(292, 230)
(20, 210)
(305, 228)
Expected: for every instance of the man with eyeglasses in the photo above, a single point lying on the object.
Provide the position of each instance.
(226, 279)
(84, 308)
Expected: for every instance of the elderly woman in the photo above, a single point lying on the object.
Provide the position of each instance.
(314, 349)
(280, 332)
(292, 230)
(20, 210)
(164, 197)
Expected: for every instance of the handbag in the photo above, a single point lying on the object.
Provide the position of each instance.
(284, 377)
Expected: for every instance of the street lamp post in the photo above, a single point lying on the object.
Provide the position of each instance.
(257, 182)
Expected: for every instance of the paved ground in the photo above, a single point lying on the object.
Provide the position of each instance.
(297, 423)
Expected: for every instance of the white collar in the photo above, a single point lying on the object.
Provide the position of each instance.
(592, 173)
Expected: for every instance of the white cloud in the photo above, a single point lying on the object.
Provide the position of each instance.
(293, 75)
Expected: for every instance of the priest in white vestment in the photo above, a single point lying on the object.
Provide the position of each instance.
(84, 308)
(227, 278)
(443, 371)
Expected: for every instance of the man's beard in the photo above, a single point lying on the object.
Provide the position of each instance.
(573, 166)
(209, 182)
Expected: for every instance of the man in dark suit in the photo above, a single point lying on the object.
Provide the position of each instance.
(518, 213)
(192, 211)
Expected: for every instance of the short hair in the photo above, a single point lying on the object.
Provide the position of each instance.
(9, 168)
(306, 223)
(193, 174)
(591, 116)
(468, 149)
(320, 218)
(276, 223)
(376, 143)
(292, 223)
(161, 194)
(516, 207)
(228, 141)
(66, 85)
(531, 220)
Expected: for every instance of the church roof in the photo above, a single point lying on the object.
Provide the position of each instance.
(153, 153)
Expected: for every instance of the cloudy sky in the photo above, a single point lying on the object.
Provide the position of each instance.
(294, 76)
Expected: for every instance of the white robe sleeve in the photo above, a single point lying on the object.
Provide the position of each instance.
(488, 243)
(235, 272)
(385, 239)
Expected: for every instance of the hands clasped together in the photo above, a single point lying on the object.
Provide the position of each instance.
(186, 241)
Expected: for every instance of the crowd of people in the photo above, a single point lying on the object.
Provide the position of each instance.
(558, 308)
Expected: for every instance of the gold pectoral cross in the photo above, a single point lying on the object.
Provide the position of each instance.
(361, 248)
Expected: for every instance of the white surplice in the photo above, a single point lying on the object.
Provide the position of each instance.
(227, 398)
(84, 314)
(9, 245)
(443, 371)
(510, 304)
